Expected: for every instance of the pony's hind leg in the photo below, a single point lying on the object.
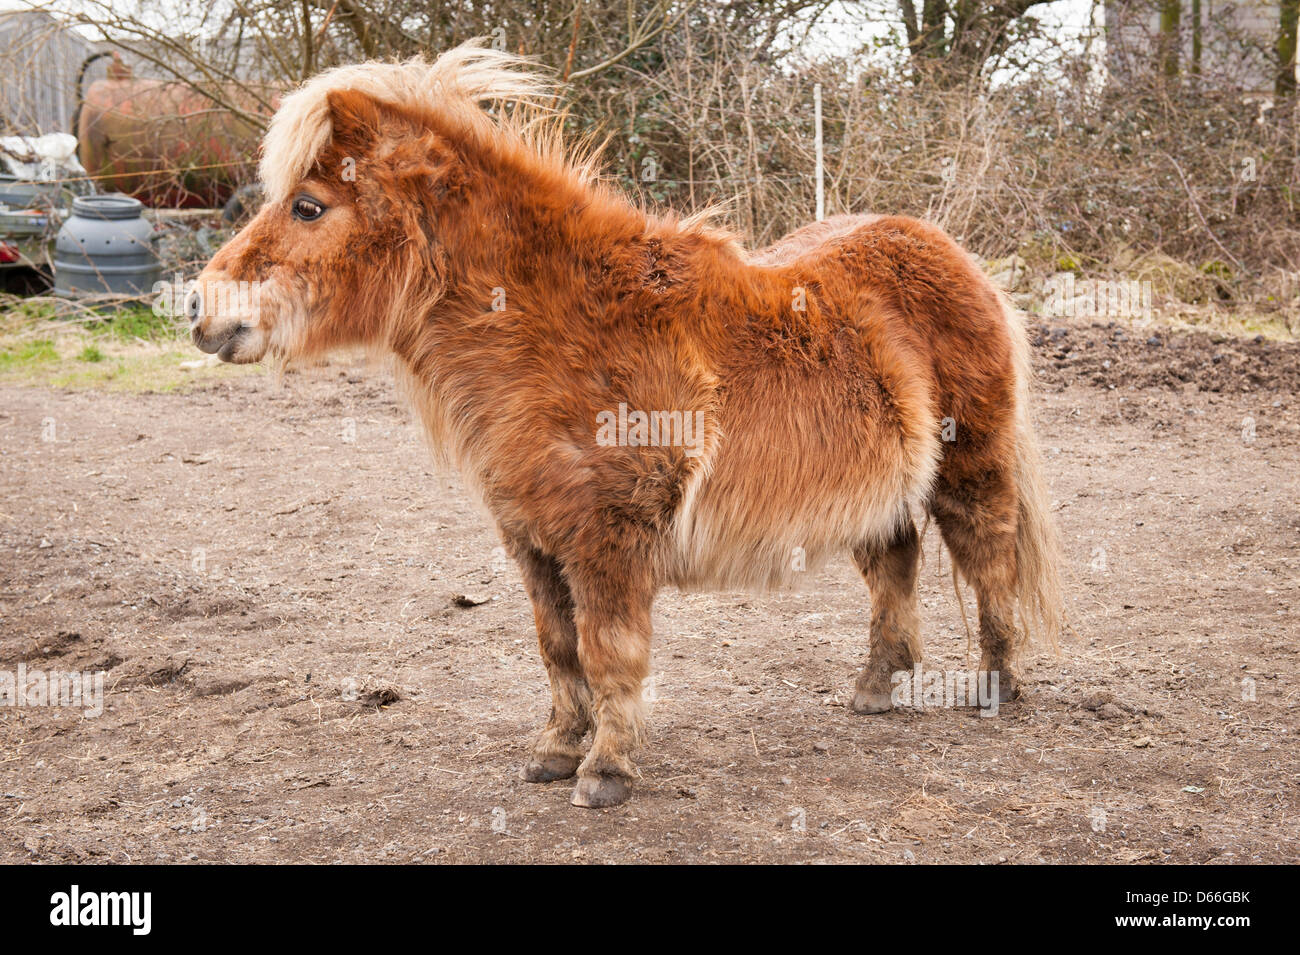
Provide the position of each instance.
(559, 749)
(890, 570)
(977, 518)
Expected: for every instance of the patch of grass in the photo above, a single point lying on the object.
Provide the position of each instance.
(1241, 322)
(135, 369)
(34, 352)
(27, 310)
(133, 322)
(44, 344)
(18, 317)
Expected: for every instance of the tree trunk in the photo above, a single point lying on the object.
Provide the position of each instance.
(1196, 37)
(1289, 16)
(1171, 13)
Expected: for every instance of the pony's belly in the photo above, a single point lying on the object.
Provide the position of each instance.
(763, 535)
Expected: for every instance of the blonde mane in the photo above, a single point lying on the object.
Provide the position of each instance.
(458, 83)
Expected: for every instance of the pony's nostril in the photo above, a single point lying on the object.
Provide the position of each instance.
(194, 305)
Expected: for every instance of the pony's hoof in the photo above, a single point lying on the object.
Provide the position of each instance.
(867, 702)
(1008, 685)
(600, 792)
(1008, 689)
(549, 768)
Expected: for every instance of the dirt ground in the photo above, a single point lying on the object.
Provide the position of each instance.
(275, 580)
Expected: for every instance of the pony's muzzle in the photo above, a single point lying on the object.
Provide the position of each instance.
(225, 346)
(220, 318)
(215, 340)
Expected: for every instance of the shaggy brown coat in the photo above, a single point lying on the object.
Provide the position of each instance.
(525, 303)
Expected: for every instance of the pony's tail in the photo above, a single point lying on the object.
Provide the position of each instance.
(1038, 549)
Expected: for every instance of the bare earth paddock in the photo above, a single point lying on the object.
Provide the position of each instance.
(284, 596)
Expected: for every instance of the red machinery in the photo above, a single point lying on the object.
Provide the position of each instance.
(164, 143)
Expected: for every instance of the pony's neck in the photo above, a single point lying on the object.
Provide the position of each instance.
(530, 240)
(525, 215)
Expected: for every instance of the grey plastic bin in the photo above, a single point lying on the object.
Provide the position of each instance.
(105, 248)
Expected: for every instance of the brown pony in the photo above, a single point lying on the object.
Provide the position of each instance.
(636, 401)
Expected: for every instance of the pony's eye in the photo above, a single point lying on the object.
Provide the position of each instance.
(307, 209)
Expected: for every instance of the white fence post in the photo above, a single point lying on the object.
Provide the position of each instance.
(821, 183)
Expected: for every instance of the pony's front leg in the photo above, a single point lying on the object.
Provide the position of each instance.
(613, 615)
(558, 749)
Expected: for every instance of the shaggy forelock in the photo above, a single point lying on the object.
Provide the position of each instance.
(460, 82)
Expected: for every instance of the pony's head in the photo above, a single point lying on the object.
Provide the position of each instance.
(355, 166)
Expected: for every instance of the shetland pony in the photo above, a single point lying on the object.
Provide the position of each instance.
(557, 342)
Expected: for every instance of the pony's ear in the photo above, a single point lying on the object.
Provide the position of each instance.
(413, 156)
(355, 117)
(358, 119)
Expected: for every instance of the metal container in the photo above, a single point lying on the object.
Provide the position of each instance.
(105, 248)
